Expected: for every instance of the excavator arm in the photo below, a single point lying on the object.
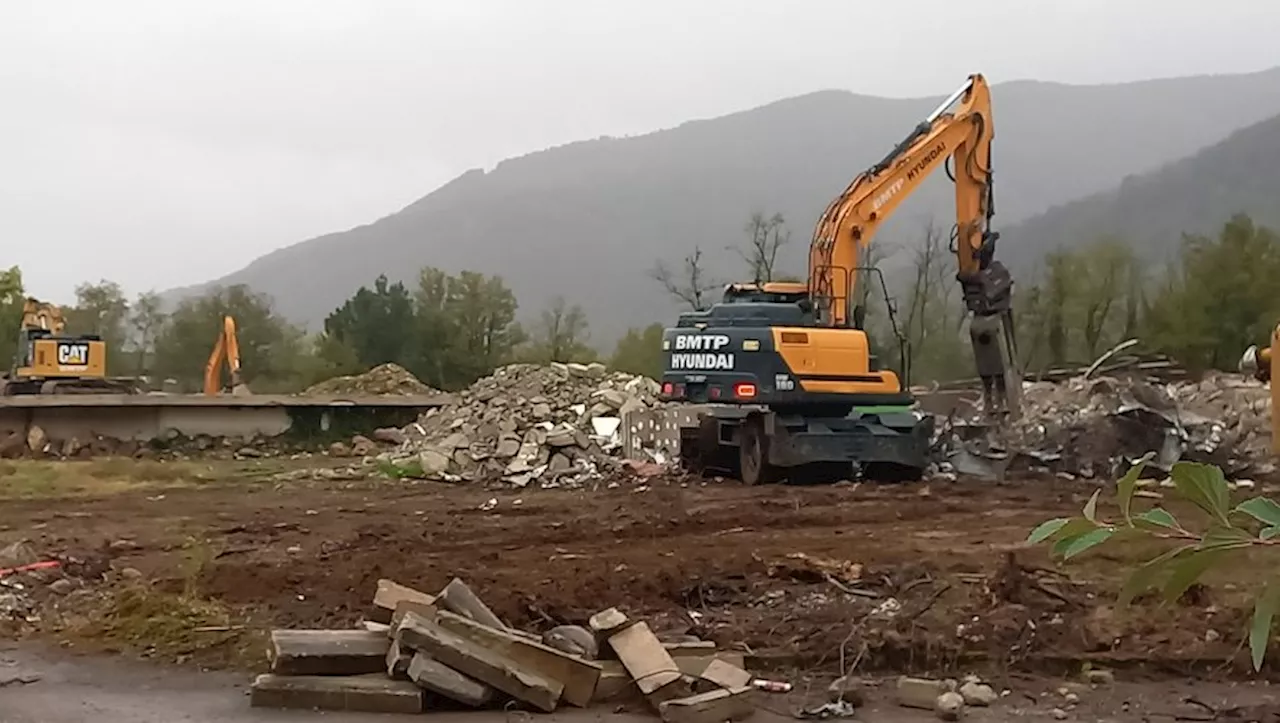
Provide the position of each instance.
(225, 349)
(850, 222)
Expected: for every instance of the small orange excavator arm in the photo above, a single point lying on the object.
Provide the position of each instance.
(226, 349)
(963, 136)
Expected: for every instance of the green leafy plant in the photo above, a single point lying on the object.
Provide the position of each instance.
(1252, 523)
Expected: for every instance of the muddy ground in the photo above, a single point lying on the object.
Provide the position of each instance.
(932, 577)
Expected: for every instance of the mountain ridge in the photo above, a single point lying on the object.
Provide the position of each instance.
(613, 206)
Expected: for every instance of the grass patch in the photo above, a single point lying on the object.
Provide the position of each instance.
(142, 619)
(35, 479)
(156, 622)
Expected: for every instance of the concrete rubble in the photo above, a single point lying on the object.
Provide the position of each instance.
(1095, 426)
(557, 425)
(448, 651)
(382, 380)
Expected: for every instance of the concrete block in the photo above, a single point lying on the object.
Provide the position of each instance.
(717, 706)
(403, 607)
(617, 684)
(479, 662)
(695, 665)
(653, 669)
(607, 621)
(919, 693)
(456, 597)
(576, 676)
(389, 593)
(398, 659)
(724, 675)
(327, 652)
(375, 627)
(370, 694)
(430, 674)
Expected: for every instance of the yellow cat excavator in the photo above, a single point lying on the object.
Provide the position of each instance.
(49, 361)
(785, 372)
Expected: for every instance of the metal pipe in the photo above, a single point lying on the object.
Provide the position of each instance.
(950, 99)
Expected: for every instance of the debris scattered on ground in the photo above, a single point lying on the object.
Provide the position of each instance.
(557, 425)
(382, 380)
(1095, 426)
(451, 646)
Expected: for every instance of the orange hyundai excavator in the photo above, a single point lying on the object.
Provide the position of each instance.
(786, 372)
(226, 349)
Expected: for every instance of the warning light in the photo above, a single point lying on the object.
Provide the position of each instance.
(668, 388)
(744, 390)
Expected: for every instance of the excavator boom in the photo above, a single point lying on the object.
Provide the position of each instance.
(225, 350)
(851, 221)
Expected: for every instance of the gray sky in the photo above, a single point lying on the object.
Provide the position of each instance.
(165, 142)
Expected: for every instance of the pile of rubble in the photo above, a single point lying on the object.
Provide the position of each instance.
(421, 652)
(382, 380)
(1092, 426)
(558, 425)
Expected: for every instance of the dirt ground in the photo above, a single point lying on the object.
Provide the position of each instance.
(201, 558)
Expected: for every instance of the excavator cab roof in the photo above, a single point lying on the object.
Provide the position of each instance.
(782, 292)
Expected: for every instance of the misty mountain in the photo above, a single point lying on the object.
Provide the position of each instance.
(589, 219)
(1151, 211)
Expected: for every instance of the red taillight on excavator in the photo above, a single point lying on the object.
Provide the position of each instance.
(744, 390)
(668, 389)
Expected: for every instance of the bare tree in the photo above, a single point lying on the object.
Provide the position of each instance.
(934, 315)
(146, 318)
(690, 285)
(766, 236)
(561, 335)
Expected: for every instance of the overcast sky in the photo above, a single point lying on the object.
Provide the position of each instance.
(165, 142)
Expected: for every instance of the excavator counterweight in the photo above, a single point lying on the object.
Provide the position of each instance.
(785, 373)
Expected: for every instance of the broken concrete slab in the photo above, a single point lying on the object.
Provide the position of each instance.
(369, 694)
(578, 677)
(617, 684)
(327, 652)
(436, 677)
(404, 607)
(717, 706)
(458, 598)
(607, 622)
(724, 675)
(695, 665)
(389, 594)
(692, 648)
(649, 663)
(574, 640)
(479, 662)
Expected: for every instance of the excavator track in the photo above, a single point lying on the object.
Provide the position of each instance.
(45, 387)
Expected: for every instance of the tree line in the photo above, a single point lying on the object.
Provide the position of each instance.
(447, 329)
(1203, 307)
